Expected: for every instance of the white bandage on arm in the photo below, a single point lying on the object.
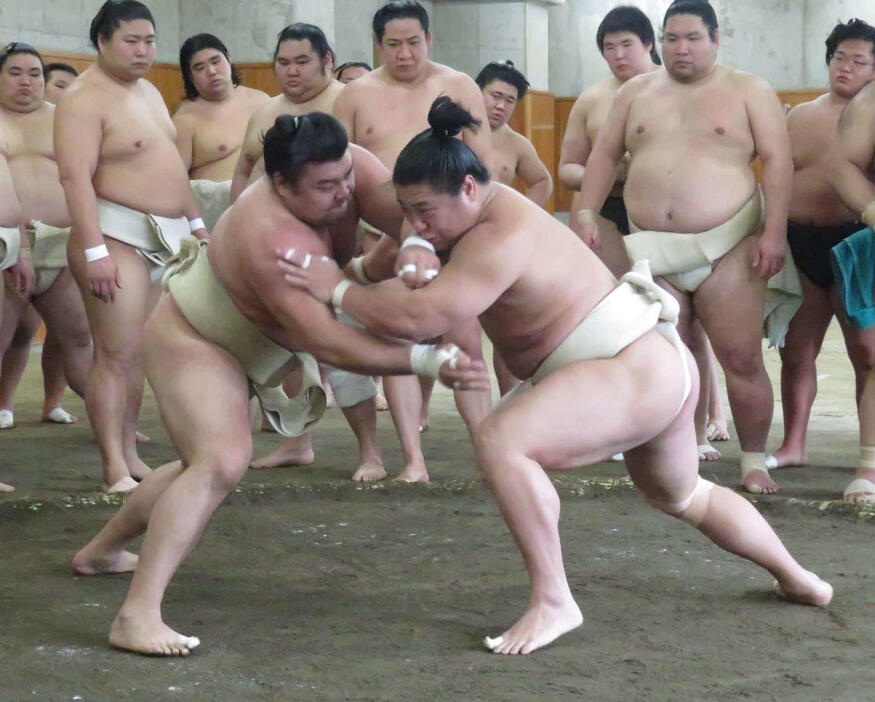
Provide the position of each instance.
(95, 253)
(195, 224)
(338, 293)
(357, 266)
(586, 217)
(416, 241)
(427, 360)
(868, 216)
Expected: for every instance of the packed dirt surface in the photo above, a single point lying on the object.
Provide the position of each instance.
(309, 587)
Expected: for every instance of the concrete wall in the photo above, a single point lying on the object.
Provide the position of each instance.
(780, 40)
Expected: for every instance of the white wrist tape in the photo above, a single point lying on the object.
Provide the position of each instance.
(868, 216)
(427, 360)
(416, 241)
(338, 293)
(195, 224)
(357, 265)
(95, 253)
(586, 217)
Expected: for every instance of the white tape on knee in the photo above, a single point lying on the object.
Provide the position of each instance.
(427, 360)
(751, 461)
(867, 456)
(691, 510)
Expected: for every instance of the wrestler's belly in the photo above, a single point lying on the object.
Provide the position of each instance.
(667, 194)
(159, 188)
(814, 201)
(39, 190)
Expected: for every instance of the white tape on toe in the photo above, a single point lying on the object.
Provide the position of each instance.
(493, 643)
(189, 642)
(288, 255)
(7, 419)
(407, 268)
(306, 264)
(431, 273)
(60, 416)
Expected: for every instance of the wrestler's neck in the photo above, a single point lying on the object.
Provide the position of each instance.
(311, 94)
(702, 79)
(12, 110)
(219, 98)
(126, 80)
(420, 77)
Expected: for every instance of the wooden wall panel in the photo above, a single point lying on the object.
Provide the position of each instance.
(534, 119)
(259, 76)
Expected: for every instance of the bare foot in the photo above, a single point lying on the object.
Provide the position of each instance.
(138, 469)
(152, 637)
(708, 453)
(414, 472)
(786, 457)
(809, 590)
(87, 562)
(861, 488)
(369, 471)
(718, 430)
(6, 488)
(296, 451)
(381, 403)
(58, 415)
(759, 483)
(141, 438)
(126, 484)
(541, 624)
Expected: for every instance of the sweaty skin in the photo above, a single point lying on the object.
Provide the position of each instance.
(692, 132)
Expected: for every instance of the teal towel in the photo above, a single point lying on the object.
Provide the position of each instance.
(853, 264)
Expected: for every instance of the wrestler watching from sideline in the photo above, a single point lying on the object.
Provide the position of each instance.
(302, 63)
(691, 131)
(607, 370)
(129, 198)
(58, 77)
(818, 221)
(211, 122)
(513, 155)
(853, 179)
(382, 111)
(627, 43)
(16, 269)
(351, 70)
(229, 322)
(27, 118)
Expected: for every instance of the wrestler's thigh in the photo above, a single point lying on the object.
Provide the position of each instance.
(202, 393)
(730, 301)
(808, 326)
(591, 409)
(13, 307)
(117, 326)
(62, 308)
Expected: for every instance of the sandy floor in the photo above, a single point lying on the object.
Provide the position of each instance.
(307, 587)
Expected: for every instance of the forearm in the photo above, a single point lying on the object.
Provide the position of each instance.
(598, 180)
(241, 176)
(571, 175)
(393, 310)
(540, 192)
(852, 186)
(82, 204)
(777, 187)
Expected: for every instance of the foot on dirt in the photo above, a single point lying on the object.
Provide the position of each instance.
(369, 471)
(7, 419)
(59, 416)
(156, 639)
(539, 626)
(708, 453)
(86, 562)
(717, 430)
(126, 484)
(141, 438)
(758, 482)
(414, 472)
(783, 458)
(809, 590)
(297, 451)
(6, 488)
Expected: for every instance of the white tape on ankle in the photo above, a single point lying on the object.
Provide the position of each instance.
(751, 461)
